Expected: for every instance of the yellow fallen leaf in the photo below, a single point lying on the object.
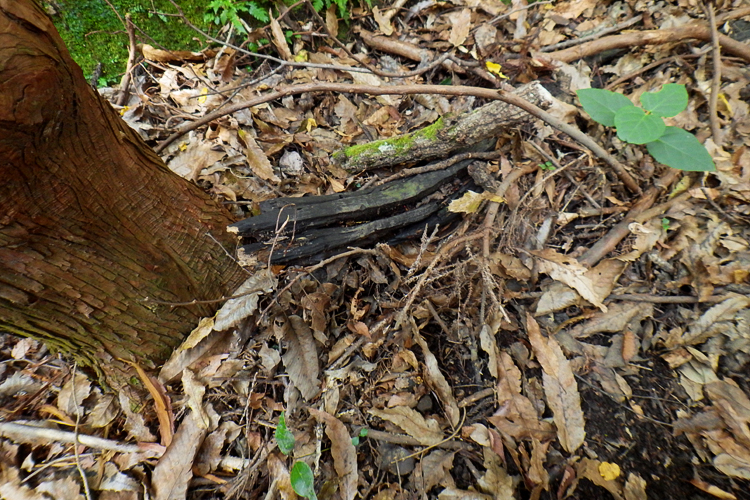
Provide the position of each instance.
(204, 95)
(471, 201)
(302, 56)
(495, 68)
(609, 471)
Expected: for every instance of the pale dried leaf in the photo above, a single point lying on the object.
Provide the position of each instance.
(496, 480)
(279, 476)
(560, 387)
(457, 494)
(205, 327)
(556, 297)
(516, 415)
(196, 156)
(470, 202)
(258, 160)
(646, 237)
(489, 345)
(343, 452)
(279, 41)
(616, 319)
(134, 422)
(570, 272)
(724, 311)
(173, 472)
(384, 21)
(60, 489)
(194, 390)
(426, 431)
(269, 358)
(436, 380)
(537, 473)
(332, 22)
(733, 405)
(733, 466)
(433, 470)
(104, 411)
(590, 470)
(460, 26)
(301, 357)
(711, 489)
(235, 310)
(635, 487)
(17, 383)
(71, 396)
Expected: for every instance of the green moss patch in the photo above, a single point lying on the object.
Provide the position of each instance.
(94, 34)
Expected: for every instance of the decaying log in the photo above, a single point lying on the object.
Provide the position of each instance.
(450, 134)
(303, 230)
(367, 204)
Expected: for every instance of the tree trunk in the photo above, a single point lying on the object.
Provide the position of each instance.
(94, 228)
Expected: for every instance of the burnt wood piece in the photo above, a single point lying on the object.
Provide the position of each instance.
(314, 245)
(318, 211)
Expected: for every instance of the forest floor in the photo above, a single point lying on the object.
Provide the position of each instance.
(576, 332)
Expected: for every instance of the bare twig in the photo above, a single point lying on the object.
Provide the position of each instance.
(653, 65)
(713, 99)
(122, 97)
(699, 31)
(27, 433)
(606, 31)
(576, 134)
(81, 472)
(605, 245)
(370, 67)
(454, 90)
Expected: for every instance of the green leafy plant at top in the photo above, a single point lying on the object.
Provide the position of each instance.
(221, 12)
(671, 146)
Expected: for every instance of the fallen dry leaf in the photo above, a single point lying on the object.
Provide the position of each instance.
(172, 473)
(426, 431)
(560, 387)
(436, 380)
(301, 356)
(343, 452)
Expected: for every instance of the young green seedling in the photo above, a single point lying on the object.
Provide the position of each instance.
(671, 146)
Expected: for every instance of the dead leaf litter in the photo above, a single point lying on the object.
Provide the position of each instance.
(562, 335)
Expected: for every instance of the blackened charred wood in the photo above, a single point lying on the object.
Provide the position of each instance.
(319, 211)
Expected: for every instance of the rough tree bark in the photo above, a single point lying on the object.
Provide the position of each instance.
(91, 220)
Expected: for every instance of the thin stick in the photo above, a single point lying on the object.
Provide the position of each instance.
(606, 31)
(575, 134)
(713, 99)
(122, 97)
(454, 90)
(653, 65)
(700, 31)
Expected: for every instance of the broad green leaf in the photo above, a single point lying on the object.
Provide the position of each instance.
(602, 104)
(303, 481)
(671, 100)
(637, 127)
(284, 438)
(680, 149)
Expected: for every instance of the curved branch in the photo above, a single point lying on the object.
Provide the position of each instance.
(652, 37)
